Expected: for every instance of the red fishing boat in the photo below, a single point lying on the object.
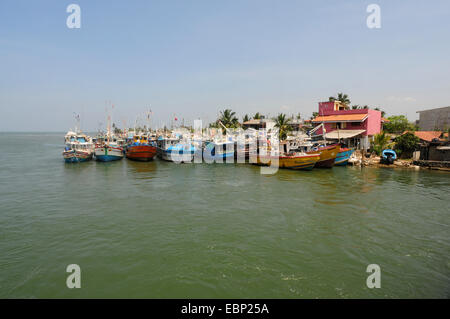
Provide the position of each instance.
(141, 149)
(327, 155)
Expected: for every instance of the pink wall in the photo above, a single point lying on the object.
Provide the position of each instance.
(372, 124)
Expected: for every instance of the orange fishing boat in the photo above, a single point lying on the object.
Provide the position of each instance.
(327, 155)
(141, 149)
(290, 160)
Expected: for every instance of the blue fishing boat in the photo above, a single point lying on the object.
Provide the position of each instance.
(388, 156)
(218, 152)
(174, 149)
(343, 156)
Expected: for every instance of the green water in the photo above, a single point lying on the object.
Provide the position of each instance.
(164, 230)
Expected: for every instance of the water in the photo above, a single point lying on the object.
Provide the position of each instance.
(164, 230)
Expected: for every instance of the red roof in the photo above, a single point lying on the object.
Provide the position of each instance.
(427, 135)
(359, 117)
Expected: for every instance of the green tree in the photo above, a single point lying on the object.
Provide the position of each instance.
(406, 144)
(246, 118)
(228, 118)
(257, 116)
(398, 124)
(341, 97)
(281, 122)
(380, 142)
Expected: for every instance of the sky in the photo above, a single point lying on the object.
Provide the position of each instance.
(190, 59)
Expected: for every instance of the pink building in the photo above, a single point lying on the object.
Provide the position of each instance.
(355, 128)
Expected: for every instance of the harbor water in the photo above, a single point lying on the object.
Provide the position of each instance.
(166, 230)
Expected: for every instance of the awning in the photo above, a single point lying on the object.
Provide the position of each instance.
(338, 134)
(359, 117)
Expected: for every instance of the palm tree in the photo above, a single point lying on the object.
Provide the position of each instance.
(246, 118)
(343, 98)
(228, 118)
(380, 142)
(298, 117)
(355, 107)
(257, 116)
(281, 122)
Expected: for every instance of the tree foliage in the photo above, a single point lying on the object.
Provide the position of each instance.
(341, 97)
(398, 124)
(281, 122)
(257, 116)
(406, 144)
(380, 142)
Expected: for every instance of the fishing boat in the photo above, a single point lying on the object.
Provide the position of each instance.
(78, 148)
(218, 151)
(327, 153)
(141, 148)
(388, 156)
(174, 149)
(108, 150)
(296, 161)
(343, 156)
(286, 157)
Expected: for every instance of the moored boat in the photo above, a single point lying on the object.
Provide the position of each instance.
(343, 156)
(328, 155)
(297, 161)
(388, 156)
(218, 151)
(78, 148)
(141, 149)
(174, 149)
(108, 150)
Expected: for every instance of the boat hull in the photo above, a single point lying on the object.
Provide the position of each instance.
(76, 156)
(343, 156)
(176, 156)
(108, 154)
(328, 155)
(141, 153)
(219, 158)
(301, 162)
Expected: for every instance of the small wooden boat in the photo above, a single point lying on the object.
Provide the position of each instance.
(388, 156)
(108, 150)
(328, 155)
(297, 161)
(343, 156)
(141, 149)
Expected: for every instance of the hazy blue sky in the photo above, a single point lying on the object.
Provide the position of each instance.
(193, 58)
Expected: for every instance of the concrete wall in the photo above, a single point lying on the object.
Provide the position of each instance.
(433, 119)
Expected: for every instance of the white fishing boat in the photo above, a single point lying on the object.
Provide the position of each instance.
(175, 149)
(108, 149)
(78, 147)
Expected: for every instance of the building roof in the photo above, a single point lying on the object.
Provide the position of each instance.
(438, 108)
(257, 121)
(338, 134)
(426, 135)
(358, 117)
